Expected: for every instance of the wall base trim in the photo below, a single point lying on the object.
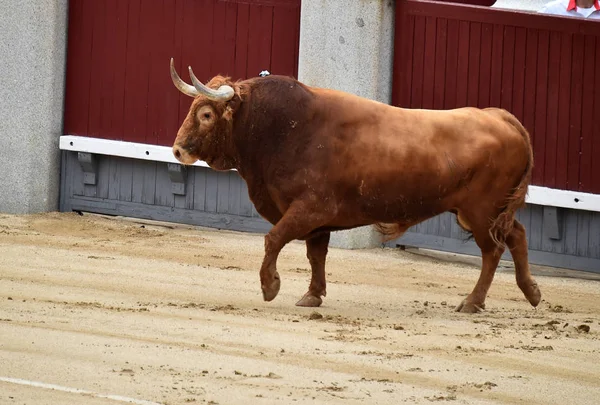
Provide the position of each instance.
(571, 262)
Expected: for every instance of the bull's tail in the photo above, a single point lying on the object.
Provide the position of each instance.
(502, 225)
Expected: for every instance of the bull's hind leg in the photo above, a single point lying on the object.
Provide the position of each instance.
(517, 243)
(316, 251)
(490, 255)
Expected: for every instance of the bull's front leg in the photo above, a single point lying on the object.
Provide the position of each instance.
(316, 251)
(299, 220)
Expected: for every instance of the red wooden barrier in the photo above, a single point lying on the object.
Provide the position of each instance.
(541, 68)
(118, 84)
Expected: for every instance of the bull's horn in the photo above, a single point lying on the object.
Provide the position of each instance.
(224, 93)
(181, 85)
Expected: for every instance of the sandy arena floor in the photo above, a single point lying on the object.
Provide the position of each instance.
(172, 315)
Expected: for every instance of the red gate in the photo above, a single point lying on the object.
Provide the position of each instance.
(543, 69)
(118, 85)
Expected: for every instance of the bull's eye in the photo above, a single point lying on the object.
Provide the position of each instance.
(207, 115)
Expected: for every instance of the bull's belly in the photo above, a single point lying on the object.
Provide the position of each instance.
(408, 212)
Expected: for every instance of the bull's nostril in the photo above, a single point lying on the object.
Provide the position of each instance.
(177, 153)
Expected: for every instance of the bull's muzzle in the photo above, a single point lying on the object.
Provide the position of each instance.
(182, 155)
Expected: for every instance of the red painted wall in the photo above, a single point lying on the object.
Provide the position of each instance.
(118, 84)
(543, 69)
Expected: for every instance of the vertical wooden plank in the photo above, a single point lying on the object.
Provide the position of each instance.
(211, 191)
(245, 203)
(106, 75)
(535, 230)
(259, 39)
(125, 179)
(429, 61)
(551, 135)
(118, 51)
(594, 236)
(539, 144)
(451, 78)
(163, 108)
(234, 193)
(529, 107)
(496, 68)
(103, 177)
(222, 192)
(583, 232)
(89, 190)
(433, 225)
(595, 180)
(218, 51)
(98, 69)
(550, 245)
(76, 174)
(137, 180)
(463, 64)
(284, 62)
(564, 101)
(483, 99)
(136, 77)
(416, 97)
(186, 201)
(77, 85)
(440, 63)
(575, 113)
(149, 185)
(474, 60)
(200, 188)
(525, 220)
(508, 58)
(403, 57)
(588, 114)
(113, 177)
(155, 30)
(518, 90)
(570, 232)
(224, 34)
(445, 226)
(162, 194)
(241, 42)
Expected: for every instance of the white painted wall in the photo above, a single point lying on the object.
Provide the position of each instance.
(525, 5)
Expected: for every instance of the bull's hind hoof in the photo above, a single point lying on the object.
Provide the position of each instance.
(271, 291)
(467, 307)
(309, 301)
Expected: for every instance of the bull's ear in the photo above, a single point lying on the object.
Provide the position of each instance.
(232, 106)
(235, 102)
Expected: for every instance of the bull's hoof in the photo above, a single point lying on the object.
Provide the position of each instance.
(309, 301)
(533, 294)
(467, 307)
(271, 291)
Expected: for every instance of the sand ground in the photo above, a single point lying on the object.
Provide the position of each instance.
(174, 315)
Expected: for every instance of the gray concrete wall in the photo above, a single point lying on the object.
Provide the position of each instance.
(32, 51)
(349, 45)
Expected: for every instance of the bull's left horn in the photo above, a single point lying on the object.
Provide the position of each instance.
(181, 85)
(224, 93)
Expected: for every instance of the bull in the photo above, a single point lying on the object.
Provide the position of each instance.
(319, 160)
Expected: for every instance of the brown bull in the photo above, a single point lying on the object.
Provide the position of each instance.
(318, 160)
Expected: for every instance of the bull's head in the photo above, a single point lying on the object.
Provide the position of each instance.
(205, 134)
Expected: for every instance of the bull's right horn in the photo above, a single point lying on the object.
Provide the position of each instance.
(224, 93)
(181, 85)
